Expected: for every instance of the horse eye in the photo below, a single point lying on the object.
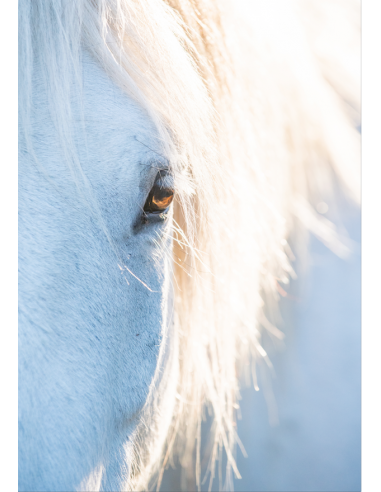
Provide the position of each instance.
(158, 200)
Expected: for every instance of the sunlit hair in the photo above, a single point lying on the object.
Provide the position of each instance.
(255, 119)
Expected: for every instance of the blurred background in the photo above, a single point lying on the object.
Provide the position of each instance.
(301, 430)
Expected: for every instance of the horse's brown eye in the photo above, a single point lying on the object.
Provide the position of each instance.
(158, 200)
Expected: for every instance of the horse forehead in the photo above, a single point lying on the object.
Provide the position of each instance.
(108, 108)
(118, 135)
(115, 139)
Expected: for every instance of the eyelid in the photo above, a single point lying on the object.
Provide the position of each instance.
(164, 179)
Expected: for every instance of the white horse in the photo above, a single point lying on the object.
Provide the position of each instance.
(165, 149)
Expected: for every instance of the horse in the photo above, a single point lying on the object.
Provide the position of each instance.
(167, 150)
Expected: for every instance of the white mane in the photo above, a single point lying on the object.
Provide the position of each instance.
(255, 120)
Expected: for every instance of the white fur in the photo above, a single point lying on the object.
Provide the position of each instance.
(90, 333)
(251, 124)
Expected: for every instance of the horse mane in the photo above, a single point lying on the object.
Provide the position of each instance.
(256, 119)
